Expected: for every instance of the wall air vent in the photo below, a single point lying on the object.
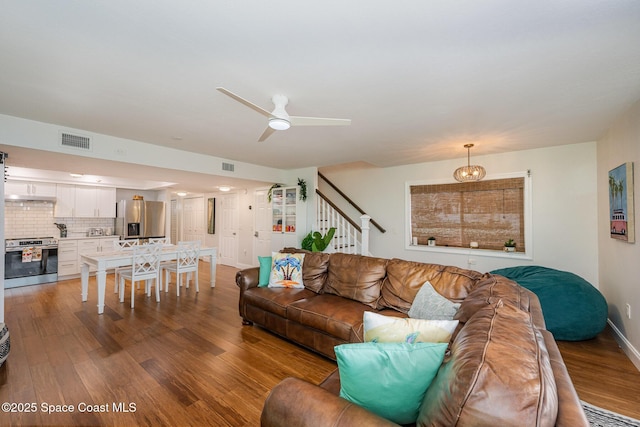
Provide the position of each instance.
(229, 167)
(75, 141)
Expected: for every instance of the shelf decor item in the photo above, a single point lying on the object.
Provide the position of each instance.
(510, 246)
(270, 192)
(431, 241)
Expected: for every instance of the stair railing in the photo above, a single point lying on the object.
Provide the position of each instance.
(350, 237)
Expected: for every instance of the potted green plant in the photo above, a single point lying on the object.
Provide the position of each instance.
(510, 246)
(316, 242)
(431, 241)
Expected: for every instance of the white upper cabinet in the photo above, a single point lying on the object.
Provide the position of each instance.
(65, 200)
(83, 201)
(95, 202)
(29, 189)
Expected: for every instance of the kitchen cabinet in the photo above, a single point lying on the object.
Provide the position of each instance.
(70, 251)
(95, 202)
(67, 257)
(65, 201)
(85, 201)
(288, 218)
(23, 189)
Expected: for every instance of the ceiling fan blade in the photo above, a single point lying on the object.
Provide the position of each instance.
(317, 121)
(267, 132)
(244, 101)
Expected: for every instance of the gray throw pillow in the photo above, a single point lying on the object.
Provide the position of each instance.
(429, 304)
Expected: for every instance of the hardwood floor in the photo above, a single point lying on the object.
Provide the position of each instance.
(189, 361)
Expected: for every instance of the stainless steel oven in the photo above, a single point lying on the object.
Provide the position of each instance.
(30, 261)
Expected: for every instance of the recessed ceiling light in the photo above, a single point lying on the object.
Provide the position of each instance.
(224, 188)
(76, 175)
(181, 193)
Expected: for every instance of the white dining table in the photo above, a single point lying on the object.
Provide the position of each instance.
(103, 261)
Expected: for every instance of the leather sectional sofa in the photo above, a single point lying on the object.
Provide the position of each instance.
(502, 368)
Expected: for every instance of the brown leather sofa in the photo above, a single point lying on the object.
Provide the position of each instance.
(502, 368)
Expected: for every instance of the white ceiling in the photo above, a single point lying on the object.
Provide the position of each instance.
(419, 79)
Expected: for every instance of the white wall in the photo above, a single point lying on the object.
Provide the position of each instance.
(619, 262)
(564, 206)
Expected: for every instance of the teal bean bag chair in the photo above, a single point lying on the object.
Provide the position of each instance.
(573, 309)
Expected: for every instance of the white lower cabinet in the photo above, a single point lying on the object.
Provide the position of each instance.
(71, 250)
(67, 257)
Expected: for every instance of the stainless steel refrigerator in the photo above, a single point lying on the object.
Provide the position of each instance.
(140, 219)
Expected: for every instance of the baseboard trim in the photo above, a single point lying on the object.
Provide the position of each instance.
(626, 346)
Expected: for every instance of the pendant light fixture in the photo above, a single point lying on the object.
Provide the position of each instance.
(470, 172)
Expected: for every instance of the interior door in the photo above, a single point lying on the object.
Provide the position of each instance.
(194, 221)
(228, 253)
(262, 226)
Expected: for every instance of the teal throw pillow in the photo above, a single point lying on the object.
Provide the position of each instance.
(265, 270)
(389, 379)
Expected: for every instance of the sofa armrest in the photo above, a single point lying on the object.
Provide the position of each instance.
(248, 278)
(570, 412)
(297, 403)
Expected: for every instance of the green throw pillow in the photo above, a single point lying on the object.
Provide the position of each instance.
(265, 270)
(389, 379)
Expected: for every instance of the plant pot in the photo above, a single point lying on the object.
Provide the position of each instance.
(431, 242)
(509, 248)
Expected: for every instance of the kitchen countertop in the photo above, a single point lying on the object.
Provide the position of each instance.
(88, 237)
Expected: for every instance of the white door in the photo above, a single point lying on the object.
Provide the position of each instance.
(228, 253)
(262, 226)
(194, 221)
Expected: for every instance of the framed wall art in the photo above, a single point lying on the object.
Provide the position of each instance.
(621, 212)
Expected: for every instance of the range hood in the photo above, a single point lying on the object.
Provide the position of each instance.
(29, 198)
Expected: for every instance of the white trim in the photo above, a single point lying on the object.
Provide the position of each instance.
(626, 346)
(528, 218)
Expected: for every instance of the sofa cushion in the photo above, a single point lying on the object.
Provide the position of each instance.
(315, 268)
(379, 328)
(429, 304)
(275, 300)
(340, 317)
(498, 371)
(405, 278)
(389, 379)
(356, 277)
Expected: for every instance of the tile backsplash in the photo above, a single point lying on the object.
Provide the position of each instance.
(35, 219)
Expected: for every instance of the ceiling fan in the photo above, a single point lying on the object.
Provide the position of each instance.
(279, 119)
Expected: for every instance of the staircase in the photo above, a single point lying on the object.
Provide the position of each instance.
(348, 237)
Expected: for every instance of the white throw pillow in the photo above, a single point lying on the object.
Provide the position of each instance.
(379, 328)
(286, 270)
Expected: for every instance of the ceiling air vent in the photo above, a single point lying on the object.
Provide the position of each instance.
(75, 141)
(229, 167)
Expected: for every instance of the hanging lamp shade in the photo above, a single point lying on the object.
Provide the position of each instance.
(470, 172)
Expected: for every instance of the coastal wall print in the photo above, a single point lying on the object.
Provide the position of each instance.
(621, 215)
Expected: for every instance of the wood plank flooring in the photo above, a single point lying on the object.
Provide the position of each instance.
(188, 361)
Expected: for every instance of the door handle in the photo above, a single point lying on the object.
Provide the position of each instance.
(256, 234)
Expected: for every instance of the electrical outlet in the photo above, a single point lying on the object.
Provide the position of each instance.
(628, 306)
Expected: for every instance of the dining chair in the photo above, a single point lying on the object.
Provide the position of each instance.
(122, 245)
(159, 240)
(186, 261)
(145, 266)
